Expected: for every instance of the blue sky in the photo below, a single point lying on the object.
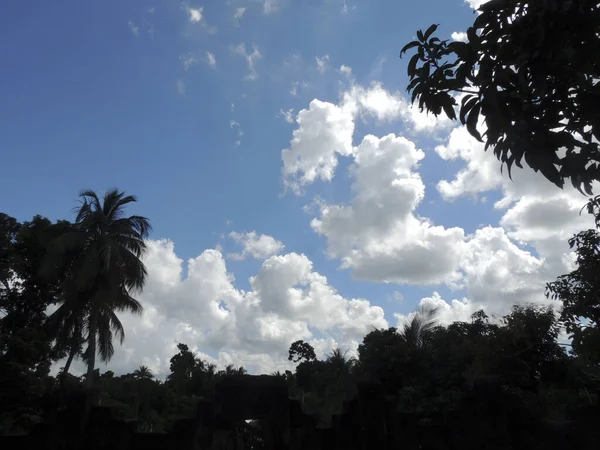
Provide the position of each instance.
(182, 104)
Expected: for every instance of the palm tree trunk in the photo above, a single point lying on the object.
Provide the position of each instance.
(65, 370)
(89, 381)
(91, 356)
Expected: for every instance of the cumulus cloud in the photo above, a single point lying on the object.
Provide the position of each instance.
(376, 101)
(288, 300)
(256, 246)
(459, 36)
(378, 235)
(535, 211)
(250, 58)
(324, 131)
(447, 312)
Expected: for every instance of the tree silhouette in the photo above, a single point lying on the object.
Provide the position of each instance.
(530, 69)
(143, 373)
(105, 274)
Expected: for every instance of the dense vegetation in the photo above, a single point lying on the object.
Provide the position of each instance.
(530, 69)
(85, 272)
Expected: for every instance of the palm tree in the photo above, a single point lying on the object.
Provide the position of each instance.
(143, 373)
(422, 321)
(66, 323)
(339, 361)
(230, 369)
(104, 275)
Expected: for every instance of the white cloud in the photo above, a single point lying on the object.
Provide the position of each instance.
(188, 60)
(476, 3)
(456, 310)
(250, 58)
(324, 131)
(459, 36)
(322, 63)
(296, 85)
(135, 30)
(536, 211)
(270, 6)
(195, 14)
(482, 172)
(211, 60)
(181, 87)
(346, 70)
(376, 101)
(288, 115)
(235, 125)
(378, 235)
(257, 246)
(239, 13)
(288, 300)
(397, 296)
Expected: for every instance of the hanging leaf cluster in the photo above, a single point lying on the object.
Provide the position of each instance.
(530, 71)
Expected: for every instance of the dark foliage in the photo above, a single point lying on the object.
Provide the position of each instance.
(530, 69)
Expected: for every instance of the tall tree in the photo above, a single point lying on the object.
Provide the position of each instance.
(25, 344)
(531, 69)
(579, 292)
(106, 273)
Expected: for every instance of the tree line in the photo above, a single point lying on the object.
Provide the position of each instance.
(525, 83)
(86, 272)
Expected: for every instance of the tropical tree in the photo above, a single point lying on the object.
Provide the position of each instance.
(301, 351)
(103, 277)
(530, 69)
(422, 321)
(143, 373)
(579, 292)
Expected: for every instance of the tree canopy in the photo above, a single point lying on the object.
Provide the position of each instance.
(530, 70)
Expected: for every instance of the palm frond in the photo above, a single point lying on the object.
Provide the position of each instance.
(104, 338)
(138, 224)
(116, 326)
(132, 270)
(89, 203)
(126, 303)
(423, 320)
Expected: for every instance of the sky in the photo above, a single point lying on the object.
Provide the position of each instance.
(294, 192)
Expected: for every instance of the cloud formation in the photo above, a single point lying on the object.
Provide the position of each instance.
(288, 300)
(250, 58)
(259, 246)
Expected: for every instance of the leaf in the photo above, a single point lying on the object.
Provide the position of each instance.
(412, 65)
(414, 82)
(449, 109)
(430, 31)
(472, 122)
(420, 36)
(416, 92)
(467, 103)
(408, 46)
